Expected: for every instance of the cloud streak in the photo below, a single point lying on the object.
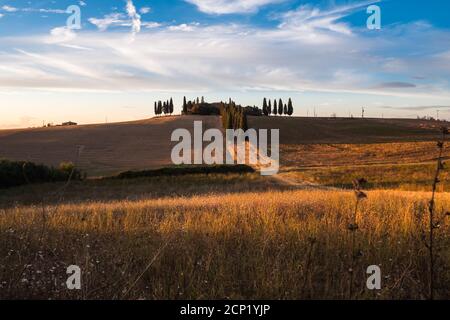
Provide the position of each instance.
(231, 6)
(418, 108)
(130, 19)
(134, 16)
(394, 85)
(11, 9)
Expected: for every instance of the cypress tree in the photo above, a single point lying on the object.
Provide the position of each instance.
(184, 105)
(290, 107)
(269, 107)
(229, 121)
(265, 111)
(159, 107)
(224, 117)
(280, 107)
(156, 109)
(171, 106)
(285, 109)
(275, 108)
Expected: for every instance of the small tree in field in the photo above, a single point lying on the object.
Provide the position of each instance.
(275, 108)
(280, 107)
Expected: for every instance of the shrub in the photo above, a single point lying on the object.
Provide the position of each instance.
(180, 171)
(17, 173)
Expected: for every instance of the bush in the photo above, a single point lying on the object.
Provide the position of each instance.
(181, 170)
(17, 173)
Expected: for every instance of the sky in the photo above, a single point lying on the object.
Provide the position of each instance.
(128, 53)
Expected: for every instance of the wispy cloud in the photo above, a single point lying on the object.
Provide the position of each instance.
(61, 34)
(112, 19)
(184, 27)
(134, 16)
(145, 10)
(231, 6)
(10, 9)
(308, 18)
(387, 85)
(418, 108)
(128, 19)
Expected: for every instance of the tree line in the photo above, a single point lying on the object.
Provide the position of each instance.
(277, 108)
(231, 110)
(187, 105)
(165, 107)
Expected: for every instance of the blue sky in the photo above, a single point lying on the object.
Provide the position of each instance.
(129, 53)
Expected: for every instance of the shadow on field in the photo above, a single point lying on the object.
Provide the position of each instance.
(109, 190)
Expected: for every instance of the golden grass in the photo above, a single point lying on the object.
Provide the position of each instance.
(326, 155)
(412, 177)
(239, 246)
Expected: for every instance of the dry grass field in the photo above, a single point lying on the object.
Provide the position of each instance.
(235, 236)
(265, 245)
(329, 155)
(390, 153)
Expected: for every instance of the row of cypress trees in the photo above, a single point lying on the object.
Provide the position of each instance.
(165, 107)
(280, 108)
(230, 110)
(233, 116)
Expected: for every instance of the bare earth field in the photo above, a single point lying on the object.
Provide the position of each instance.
(108, 148)
(295, 130)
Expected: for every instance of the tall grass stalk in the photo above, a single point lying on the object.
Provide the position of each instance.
(353, 228)
(433, 223)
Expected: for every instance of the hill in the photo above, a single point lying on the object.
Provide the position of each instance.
(112, 148)
(107, 148)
